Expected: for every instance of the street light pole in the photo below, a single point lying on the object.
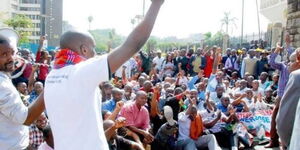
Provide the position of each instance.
(258, 21)
(242, 34)
(143, 8)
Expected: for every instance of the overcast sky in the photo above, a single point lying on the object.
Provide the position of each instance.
(177, 17)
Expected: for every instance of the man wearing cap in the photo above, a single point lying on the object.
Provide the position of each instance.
(158, 61)
(14, 115)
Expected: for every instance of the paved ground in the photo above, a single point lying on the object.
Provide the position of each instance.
(259, 147)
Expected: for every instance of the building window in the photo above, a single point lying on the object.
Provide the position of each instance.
(30, 1)
(14, 7)
(29, 9)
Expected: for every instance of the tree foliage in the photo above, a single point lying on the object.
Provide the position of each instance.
(228, 21)
(20, 23)
(106, 39)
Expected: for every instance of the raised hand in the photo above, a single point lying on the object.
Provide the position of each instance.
(120, 122)
(119, 105)
(42, 39)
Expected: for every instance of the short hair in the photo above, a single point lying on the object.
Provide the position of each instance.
(46, 131)
(3, 41)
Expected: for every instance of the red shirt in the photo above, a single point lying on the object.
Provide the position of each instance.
(27, 70)
(208, 66)
(44, 68)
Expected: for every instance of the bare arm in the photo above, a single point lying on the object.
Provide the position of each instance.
(35, 110)
(216, 60)
(136, 39)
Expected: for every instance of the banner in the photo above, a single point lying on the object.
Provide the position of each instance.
(258, 120)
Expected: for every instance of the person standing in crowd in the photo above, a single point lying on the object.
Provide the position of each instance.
(15, 117)
(231, 64)
(295, 144)
(282, 67)
(209, 60)
(263, 63)
(249, 64)
(182, 61)
(168, 67)
(158, 61)
(43, 59)
(198, 61)
(289, 101)
(76, 66)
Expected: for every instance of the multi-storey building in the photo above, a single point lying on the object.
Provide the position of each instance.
(46, 16)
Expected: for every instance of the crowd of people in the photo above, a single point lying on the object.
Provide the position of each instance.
(184, 100)
(180, 99)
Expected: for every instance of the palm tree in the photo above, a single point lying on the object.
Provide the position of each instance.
(90, 20)
(228, 21)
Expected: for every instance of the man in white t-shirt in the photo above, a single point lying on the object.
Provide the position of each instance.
(72, 94)
(14, 115)
(158, 61)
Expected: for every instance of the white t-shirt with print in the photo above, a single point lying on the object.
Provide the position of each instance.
(73, 99)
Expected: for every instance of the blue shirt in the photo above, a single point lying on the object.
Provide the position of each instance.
(109, 105)
(222, 108)
(33, 97)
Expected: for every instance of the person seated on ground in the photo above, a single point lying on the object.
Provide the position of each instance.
(147, 87)
(116, 142)
(242, 87)
(107, 115)
(140, 84)
(48, 143)
(128, 95)
(263, 80)
(166, 136)
(216, 96)
(106, 90)
(176, 102)
(182, 78)
(216, 122)
(193, 94)
(268, 97)
(196, 79)
(239, 103)
(275, 81)
(256, 89)
(117, 95)
(23, 92)
(234, 77)
(36, 132)
(249, 81)
(137, 117)
(191, 130)
(37, 90)
(227, 88)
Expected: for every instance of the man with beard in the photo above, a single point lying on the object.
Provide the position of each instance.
(13, 113)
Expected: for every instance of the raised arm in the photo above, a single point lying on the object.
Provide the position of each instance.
(136, 39)
(216, 60)
(273, 56)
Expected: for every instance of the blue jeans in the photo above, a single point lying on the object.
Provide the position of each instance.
(186, 144)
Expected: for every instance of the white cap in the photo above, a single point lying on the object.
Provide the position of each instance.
(11, 36)
(168, 113)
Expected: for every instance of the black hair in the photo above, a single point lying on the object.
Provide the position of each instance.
(3, 41)
(46, 131)
(104, 112)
